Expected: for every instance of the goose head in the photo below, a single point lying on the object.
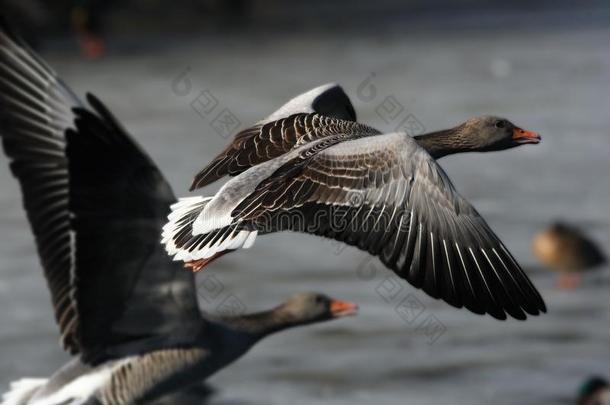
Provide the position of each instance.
(309, 307)
(300, 309)
(479, 134)
(489, 133)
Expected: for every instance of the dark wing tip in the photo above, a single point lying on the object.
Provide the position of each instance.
(215, 170)
(93, 100)
(543, 307)
(196, 184)
(483, 280)
(200, 180)
(105, 113)
(336, 103)
(496, 281)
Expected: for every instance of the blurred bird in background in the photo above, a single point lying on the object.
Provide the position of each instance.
(86, 18)
(594, 391)
(567, 250)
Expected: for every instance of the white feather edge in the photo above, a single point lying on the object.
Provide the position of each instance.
(208, 221)
(181, 208)
(185, 206)
(78, 390)
(21, 389)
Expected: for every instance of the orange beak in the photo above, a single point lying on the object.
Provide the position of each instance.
(522, 136)
(343, 308)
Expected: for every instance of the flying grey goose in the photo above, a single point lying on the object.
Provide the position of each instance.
(96, 204)
(383, 193)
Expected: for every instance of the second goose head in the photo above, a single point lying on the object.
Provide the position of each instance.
(478, 134)
(306, 308)
(300, 309)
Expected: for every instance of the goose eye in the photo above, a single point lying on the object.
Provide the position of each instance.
(500, 124)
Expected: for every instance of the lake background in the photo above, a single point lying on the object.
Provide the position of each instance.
(545, 67)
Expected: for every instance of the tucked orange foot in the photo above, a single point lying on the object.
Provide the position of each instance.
(198, 265)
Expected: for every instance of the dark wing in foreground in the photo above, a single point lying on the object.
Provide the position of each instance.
(35, 109)
(320, 112)
(96, 204)
(387, 196)
(120, 202)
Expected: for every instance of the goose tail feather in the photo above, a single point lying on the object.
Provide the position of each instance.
(21, 391)
(184, 241)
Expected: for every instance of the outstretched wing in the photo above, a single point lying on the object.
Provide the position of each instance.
(321, 112)
(35, 110)
(387, 196)
(96, 204)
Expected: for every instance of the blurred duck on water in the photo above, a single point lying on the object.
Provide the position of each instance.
(594, 391)
(96, 204)
(567, 250)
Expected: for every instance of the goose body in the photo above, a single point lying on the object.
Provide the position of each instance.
(383, 193)
(96, 204)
